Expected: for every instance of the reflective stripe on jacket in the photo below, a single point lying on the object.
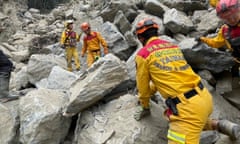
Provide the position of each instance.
(177, 137)
(163, 63)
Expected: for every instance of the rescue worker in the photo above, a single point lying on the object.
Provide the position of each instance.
(229, 33)
(69, 41)
(161, 66)
(6, 66)
(92, 43)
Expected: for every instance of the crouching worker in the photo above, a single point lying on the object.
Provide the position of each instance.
(229, 33)
(6, 66)
(161, 66)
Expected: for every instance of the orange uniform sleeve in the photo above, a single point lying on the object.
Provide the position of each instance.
(103, 43)
(216, 42)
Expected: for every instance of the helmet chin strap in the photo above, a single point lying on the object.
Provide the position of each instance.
(142, 40)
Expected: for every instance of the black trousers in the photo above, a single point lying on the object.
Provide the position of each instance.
(235, 70)
(5, 64)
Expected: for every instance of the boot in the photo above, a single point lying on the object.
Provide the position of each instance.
(141, 113)
(229, 128)
(4, 88)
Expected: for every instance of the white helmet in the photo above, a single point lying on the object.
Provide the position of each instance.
(68, 22)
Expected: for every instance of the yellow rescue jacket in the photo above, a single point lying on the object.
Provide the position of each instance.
(69, 38)
(93, 42)
(163, 64)
(218, 41)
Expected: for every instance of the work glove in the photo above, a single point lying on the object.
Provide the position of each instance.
(200, 38)
(141, 113)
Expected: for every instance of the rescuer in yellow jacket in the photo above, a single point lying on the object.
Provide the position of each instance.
(161, 66)
(229, 34)
(92, 43)
(69, 41)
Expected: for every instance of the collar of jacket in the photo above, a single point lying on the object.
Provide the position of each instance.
(151, 39)
(69, 30)
(91, 33)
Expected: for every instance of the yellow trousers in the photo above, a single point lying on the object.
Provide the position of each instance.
(192, 119)
(92, 56)
(72, 52)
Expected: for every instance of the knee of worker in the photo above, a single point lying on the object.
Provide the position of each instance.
(152, 88)
(89, 64)
(75, 53)
(208, 100)
(90, 60)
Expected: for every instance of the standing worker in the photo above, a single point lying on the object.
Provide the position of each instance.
(229, 34)
(161, 66)
(69, 41)
(6, 66)
(92, 44)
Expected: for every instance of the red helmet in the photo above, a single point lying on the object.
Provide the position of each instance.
(144, 25)
(85, 26)
(225, 8)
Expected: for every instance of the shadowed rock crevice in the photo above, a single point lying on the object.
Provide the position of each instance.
(44, 5)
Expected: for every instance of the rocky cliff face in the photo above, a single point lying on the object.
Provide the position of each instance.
(9, 17)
